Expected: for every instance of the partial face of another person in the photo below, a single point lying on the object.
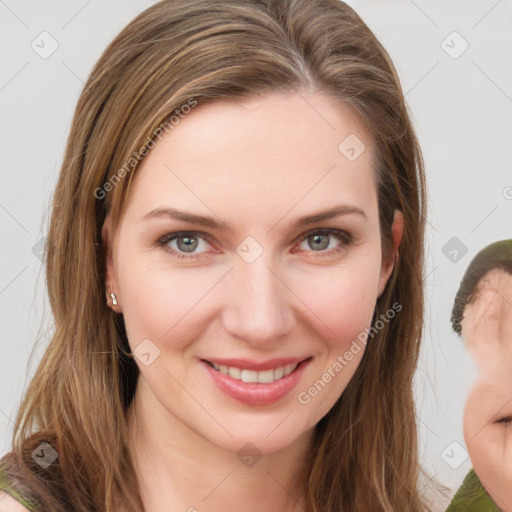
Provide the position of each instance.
(257, 291)
(487, 332)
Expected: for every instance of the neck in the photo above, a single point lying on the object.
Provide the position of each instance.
(178, 469)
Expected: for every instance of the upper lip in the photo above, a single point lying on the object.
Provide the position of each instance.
(247, 364)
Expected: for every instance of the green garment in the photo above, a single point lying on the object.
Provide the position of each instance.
(6, 484)
(472, 497)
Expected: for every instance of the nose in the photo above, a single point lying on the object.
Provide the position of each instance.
(259, 307)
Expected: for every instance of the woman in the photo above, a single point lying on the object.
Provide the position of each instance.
(235, 364)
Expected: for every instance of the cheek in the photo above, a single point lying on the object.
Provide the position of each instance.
(476, 430)
(153, 298)
(341, 299)
(489, 446)
(161, 303)
(491, 454)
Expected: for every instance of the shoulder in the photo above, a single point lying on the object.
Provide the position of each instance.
(9, 504)
(15, 496)
(472, 497)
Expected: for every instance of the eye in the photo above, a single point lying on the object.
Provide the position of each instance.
(186, 242)
(506, 420)
(320, 239)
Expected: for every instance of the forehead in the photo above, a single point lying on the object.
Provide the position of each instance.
(265, 153)
(487, 322)
(491, 395)
(493, 297)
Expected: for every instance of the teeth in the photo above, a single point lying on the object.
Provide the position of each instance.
(249, 376)
(235, 373)
(263, 377)
(289, 368)
(266, 376)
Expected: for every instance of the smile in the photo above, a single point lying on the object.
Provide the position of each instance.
(263, 377)
(263, 384)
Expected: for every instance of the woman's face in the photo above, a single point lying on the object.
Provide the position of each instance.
(251, 289)
(487, 332)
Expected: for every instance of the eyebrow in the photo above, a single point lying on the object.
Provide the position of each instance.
(213, 223)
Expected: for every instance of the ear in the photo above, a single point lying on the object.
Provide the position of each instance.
(397, 230)
(107, 236)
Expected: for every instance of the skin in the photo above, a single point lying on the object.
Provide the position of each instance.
(487, 331)
(257, 167)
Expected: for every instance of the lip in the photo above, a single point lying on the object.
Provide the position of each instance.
(255, 393)
(247, 364)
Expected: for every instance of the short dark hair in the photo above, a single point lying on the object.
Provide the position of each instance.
(497, 256)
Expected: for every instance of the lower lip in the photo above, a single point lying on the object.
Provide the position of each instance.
(255, 393)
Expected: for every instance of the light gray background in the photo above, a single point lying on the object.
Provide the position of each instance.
(461, 106)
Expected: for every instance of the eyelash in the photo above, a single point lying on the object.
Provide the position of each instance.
(506, 420)
(342, 236)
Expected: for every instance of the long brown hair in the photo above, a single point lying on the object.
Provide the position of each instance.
(364, 453)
